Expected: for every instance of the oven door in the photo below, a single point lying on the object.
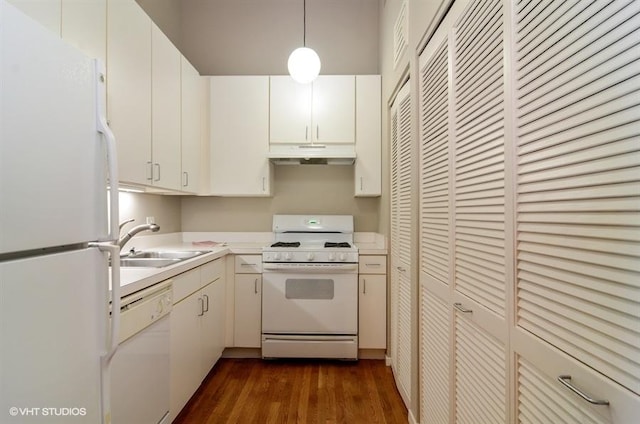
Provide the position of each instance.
(309, 303)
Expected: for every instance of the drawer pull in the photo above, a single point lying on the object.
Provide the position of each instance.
(375, 264)
(566, 381)
(462, 309)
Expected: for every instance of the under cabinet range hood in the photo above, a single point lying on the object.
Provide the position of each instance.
(312, 154)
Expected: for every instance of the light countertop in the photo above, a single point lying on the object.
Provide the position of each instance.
(135, 279)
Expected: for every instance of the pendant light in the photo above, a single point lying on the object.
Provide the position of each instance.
(304, 63)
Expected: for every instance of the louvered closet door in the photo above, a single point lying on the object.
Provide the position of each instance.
(578, 219)
(435, 229)
(578, 193)
(401, 228)
(479, 155)
(480, 278)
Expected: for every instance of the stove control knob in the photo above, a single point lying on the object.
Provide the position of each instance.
(287, 256)
(276, 256)
(310, 256)
(343, 257)
(332, 256)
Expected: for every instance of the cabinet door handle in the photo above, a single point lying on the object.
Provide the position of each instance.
(361, 184)
(255, 286)
(566, 381)
(206, 298)
(150, 171)
(185, 174)
(317, 132)
(263, 186)
(306, 132)
(462, 309)
(201, 300)
(158, 169)
(364, 286)
(401, 269)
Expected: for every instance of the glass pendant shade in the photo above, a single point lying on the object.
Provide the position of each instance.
(304, 65)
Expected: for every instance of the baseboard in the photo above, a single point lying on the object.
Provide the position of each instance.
(371, 354)
(412, 419)
(242, 352)
(387, 360)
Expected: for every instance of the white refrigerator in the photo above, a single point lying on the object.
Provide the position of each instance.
(57, 229)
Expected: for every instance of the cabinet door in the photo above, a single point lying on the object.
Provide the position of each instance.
(372, 312)
(289, 111)
(401, 250)
(333, 109)
(84, 25)
(239, 136)
(212, 325)
(165, 108)
(46, 12)
(248, 310)
(368, 171)
(186, 350)
(191, 126)
(129, 87)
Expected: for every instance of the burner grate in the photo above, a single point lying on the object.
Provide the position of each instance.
(340, 244)
(286, 244)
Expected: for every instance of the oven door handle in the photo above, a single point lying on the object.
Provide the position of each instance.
(309, 338)
(315, 268)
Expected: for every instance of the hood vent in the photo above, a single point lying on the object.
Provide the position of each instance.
(312, 154)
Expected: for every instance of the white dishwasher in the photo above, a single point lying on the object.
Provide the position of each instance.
(140, 367)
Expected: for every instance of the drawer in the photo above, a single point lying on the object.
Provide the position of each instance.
(211, 271)
(185, 284)
(372, 264)
(248, 264)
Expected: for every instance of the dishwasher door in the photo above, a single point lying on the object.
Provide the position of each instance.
(140, 381)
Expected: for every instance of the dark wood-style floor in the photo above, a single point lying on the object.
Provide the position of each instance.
(251, 391)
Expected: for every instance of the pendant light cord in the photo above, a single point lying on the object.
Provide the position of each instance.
(304, 23)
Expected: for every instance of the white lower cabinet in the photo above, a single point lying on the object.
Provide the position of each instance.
(247, 320)
(372, 302)
(248, 310)
(197, 329)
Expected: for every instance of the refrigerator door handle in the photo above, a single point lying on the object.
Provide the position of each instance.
(112, 157)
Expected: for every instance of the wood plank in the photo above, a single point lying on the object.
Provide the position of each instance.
(296, 391)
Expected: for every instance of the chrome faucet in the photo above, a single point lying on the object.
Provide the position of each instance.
(135, 230)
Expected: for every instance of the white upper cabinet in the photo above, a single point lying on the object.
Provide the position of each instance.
(320, 113)
(165, 108)
(368, 172)
(191, 126)
(240, 136)
(129, 88)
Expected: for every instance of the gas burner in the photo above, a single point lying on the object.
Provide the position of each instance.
(286, 244)
(340, 244)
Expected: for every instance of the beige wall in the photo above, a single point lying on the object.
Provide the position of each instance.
(255, 37)
(303, 189)
(165, 209)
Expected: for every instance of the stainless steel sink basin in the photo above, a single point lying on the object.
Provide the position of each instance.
(168, 254)
(158, 258)
(147, 262)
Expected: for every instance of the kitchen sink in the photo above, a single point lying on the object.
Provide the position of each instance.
(167, 254)
(147, 262)
(158, 258)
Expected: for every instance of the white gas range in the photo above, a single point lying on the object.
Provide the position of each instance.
(310, 288)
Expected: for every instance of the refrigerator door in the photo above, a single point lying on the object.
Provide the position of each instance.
(53, 331)
(52, 158)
